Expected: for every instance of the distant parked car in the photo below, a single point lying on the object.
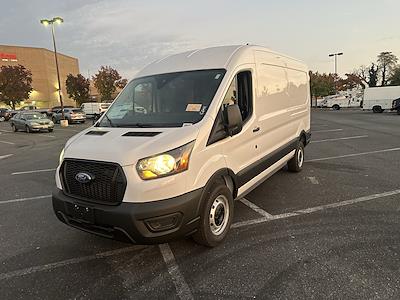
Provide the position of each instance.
(52, 110)
(5, 114)
(73, 115)
(94, 109)
(29, 108)
(31, 121)
(396, 105)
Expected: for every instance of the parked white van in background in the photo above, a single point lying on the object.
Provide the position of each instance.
(188, 135)
(381, 98)
(94, 109)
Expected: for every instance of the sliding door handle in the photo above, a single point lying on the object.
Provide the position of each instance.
(256, 129)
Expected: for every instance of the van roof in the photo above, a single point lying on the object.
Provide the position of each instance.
(207, 58)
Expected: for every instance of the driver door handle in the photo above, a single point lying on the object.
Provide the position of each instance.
(256, 129)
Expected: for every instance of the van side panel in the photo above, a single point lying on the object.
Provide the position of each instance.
(282, 103)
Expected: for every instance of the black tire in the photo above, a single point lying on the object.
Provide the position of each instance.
(220, 201)
(297, 162)
(335, 107)
(14, 128)
(377, 109)
(50, 130)
(27, 129)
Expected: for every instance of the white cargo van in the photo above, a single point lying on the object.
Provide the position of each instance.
(187, 136)
(381, 98)
(94, 109)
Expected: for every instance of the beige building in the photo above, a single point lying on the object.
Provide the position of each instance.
(41, 63)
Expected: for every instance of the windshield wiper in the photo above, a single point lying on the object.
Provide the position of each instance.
(109, 121)
(138, 125)
(150, 125)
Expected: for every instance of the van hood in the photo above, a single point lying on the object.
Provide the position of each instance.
(126, 146)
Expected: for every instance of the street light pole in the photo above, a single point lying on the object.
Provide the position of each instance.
(335, 55)
(46, 22)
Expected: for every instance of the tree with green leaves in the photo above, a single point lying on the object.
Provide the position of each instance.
(15, 84)
(369, 75)
(106, 81)
(78, 88)
(322, 84)
(387, 62)
(395, 77)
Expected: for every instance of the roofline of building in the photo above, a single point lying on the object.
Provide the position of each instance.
(39, 48)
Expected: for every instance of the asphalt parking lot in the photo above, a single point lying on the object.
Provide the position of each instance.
(331, 231)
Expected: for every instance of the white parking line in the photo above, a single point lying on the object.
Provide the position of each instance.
(2, 130)
(9, 143)
(181, 286)
(256, 208)
(316, 208)
(339, 139)
(46, 135)
(24, 199)
(33, 171)
(51, 266)
(355, 154)
(5, 156)
(327, 130)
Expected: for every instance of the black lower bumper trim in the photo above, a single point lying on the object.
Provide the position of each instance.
(140, 223)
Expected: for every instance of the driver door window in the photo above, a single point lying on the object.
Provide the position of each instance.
(240, 93)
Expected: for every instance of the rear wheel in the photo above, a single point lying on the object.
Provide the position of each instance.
(336, 107)
(216, 216)
(296, 163)
(377, 109)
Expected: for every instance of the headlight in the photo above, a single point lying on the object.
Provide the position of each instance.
(61, 156)
(165, 164)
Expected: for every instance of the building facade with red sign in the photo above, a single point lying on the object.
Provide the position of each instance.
(41, 63)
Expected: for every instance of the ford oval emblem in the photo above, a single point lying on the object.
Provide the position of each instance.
(83, 177)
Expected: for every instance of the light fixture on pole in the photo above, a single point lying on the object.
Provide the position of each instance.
(336, 55)
(46, 22)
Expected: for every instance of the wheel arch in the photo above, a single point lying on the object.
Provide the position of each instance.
(225, 176)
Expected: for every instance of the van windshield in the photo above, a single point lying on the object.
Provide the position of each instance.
(164, 100)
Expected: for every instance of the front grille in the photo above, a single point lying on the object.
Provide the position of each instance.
(107, 186)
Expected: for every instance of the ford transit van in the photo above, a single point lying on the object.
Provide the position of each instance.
(186, 137)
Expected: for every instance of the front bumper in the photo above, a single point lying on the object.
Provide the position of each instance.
(139, 223)
(41, 128)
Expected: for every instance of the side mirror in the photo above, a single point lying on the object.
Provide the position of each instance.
(233, 119)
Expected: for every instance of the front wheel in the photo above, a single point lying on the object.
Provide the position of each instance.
(216, 217)
(296, 163)
(377, 109)
(14, 128)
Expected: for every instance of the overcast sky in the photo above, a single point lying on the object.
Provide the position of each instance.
(128, 34)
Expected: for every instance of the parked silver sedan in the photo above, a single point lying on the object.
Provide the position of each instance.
(73, 115)
(31, 121)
